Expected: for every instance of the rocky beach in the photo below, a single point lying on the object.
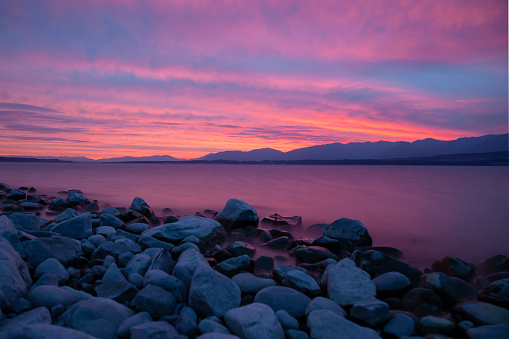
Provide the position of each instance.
(70, 267)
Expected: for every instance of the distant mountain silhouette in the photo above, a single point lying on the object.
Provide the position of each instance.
(254, 155)
(153, 158)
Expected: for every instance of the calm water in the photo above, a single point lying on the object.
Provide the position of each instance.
(427, 212)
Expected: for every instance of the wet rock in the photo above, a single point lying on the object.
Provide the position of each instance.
(481, 313)
(153, 330)
(25, 222)
(350, 233)
(146, 241)
(278, 244)
(14, 276)
(170, 219)
(496, 293)
(377, 263)
(59, 204)
(111, 211)
(211, 326)
(170, 283)
(348, 284)
(497, 263)
(207, 230)
(139, 205)
(119, 290)
(16, 194)
(283, 298)
(66, 215)
(264, 264)
(500, 331)
(27, 205)
(321, 303)
(454, 267)
(391, 285)
(212, 293)
(138, 264)
(65, 250)
(312, 254)
(324, 324)
(79, 227)
(432, 324)
(280, 221)
(137, 228)
(52, 265)
(76, 198)
(239, 248)
(400, 325)
(124, 330)
(46, 331)
(190, 259)
(248, 283)
(6, 224)
(155, 300)
(421, 302)
(110, 220)
(234, 265)
(98, 317)
(254, 321)
(39, 315)
(49, 296)
(109, 248)
(332, 245)
(302, 282)
(237, 214)
(287, 321)
(370, 311)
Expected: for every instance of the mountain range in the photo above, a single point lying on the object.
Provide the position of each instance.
(338, 151)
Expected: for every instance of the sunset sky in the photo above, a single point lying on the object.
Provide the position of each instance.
(186, 78)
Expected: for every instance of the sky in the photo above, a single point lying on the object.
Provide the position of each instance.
(186, 78)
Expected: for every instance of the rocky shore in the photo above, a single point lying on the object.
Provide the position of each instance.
(69, 269)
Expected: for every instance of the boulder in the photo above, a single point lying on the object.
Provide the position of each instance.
(6, 224)
(287, 321)
(481, 313)
(109, 248)
(190, 259)
(153, 330)
(27, 205)
(49, 296)
(170, 283)
(79, 227)
(400, 325)
(137, 228)
(65, 250)
(214, 327)
(58, 204)
(110, 220)
(239, 248)
(254, 321)
(495, 264)
(52, 265)
(348, 284)
(111, 211)
(124, 330)
(76, 198)
(16, 194)
(421, 302)
(45, 331)
(500, 331)
(139, 205)
(98, 317)
(370, 311)
(377, 263)
(391, 285)
(39, 315)
(237, 214)
(302, 282)
(66, 215)
(25, 222)
(154, 300)
(14, 275)
(120, 290)
(350, 233)
(280, 221)
(283, 298)
(312, 254)
(321, 303)
(248, 283)
(496, 293)
(212, 293)
(138, 264)
(454, 267)
(324, 324)
(235, 265)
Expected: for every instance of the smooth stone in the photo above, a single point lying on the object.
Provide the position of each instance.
(14, 275)
(400, 325)
(500, 331)
(58, 204)
(248, 283)
(496, 293)
(49, 296)
(454, 267)
(497, 263)
(210, 326)
(377, 263)
(432, 324)
(391, 285)
(139, 205)
(138, 264)
(6, 224)
(137, 227)
(113, 273)
(239, 248)
(146, 241)
(287, 321)
(421, 302)
(16, 194)
(177, 250)
(189, 259)
(109, 248)
(105, 231)
(25, 222)
(45, 279)
(46, 331)
(98, 317)
(39, 315)
(87, 246)
(66, 215)
(161, 259)
(111, 211)
(324, 324)
(120, 291)
(65, 250)
(280, 271)
(168, 282)
(312, 254)
(349, 232)
(27, 205)
(254, 321)
(52, 265)
(78, 295)
(348, 284)
(234, 265)
(110, 220)
(321, 303)
(370, 311)
(481, 313)
(155, 300)
(97, 240)
(225, 296)
(238, 214)
(302, 282)
(153, 330)
(207, 230)
(124, 330)
(21, 305)
(283, 298)
(264, 264)
(76, 198)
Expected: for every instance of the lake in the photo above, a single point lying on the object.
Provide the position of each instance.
(425, 211)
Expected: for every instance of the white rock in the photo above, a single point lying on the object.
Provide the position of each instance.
(348, 284)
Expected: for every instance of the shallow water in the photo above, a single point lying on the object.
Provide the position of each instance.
(425, 211)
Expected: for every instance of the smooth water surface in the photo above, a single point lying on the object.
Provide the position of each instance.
(425, 211)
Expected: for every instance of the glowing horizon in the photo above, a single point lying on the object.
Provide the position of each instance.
(187, 78)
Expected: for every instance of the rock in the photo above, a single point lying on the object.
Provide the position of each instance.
(153, 330)
(207, 230)
(110, 220)
(302, 282)
(137, 228)
(283, 298)
(139, 205)
(321, 303)
(496, 293)
(27, 205)
(120, 290)
(186, 323)
(237, 214)
(111, 211)
(377, 263)
(109, 248)
(350, 233)
(264, 264)
(287, 321)
(254, 321)
(217, 336)
(324, 324)
(155, 300)
(79, 227)
(248, 283)
(14, 275)
(39, 315)
(133, 247)
(500, 331)
(312, 254)
(46, 331)
(78, 295)
(170, 283)
(16, 194)
(65, 250)
(239, 248)
(280, 243)
(280, 221)
(189, 259)
(481, 313)
(348, 284)
(370, 311)
(210, 326)
(421, 302)
(52, 265)
(454, 267)
(49, 296)
(146, 241)
(58, 204)
(113, 274)
(98, 317)
(97, 240)
(6, 224)
(138, 264)
(76, 198)
(124, 330)
(66, 215)
(105, 231)
(25, 222)
(391, 285)
(212, 293)
(234, 265)
(400, 325)
(432, 324)
(497, 263)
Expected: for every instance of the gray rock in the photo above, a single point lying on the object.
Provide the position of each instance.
(348, 284)
(6, 224)
(45, 279)
(58, 204)
(287, 321)
(207, 230)
(133, 247)
(137, 227)
(98, 317)
(321, 303)
(110, 220)
(302, 282)
(481, 313)
(13, 238)
(350, 233)
(52, 265)
(239, 248)
(87, 246)
(189, 259)
(168, 282)
(401, 324)
(111, 211)
(136, 279)
(65, 250)
(177, 250)
(66, 215)
(237, 214)
(46, 331)
(154, 300)
(38, 315)
(254, 321)
(212, 293)
(123, 235)
(76, 198)
(161, 259)
(25, 222)
(153, 330)
(432, 324)
(49, 296)
(248, 283)
(215, 335)
(78, 295)
(296, 334)
(27, 205)
(391, 285)
(280, 271)
(327, 324)
(124, 330)
(210, 326)
(454, 267)
(500, 331)
(147, 241)
(377, 263)
(496, 293)
(97, 240)
(370, 311)
(234, 265)
(109, 248)
(113, 274)
(312, 254)
(14, 275)
(138, 264)
(120, 291)
(283, 298)
(139, 205)
(16, 194)
(105, 231)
